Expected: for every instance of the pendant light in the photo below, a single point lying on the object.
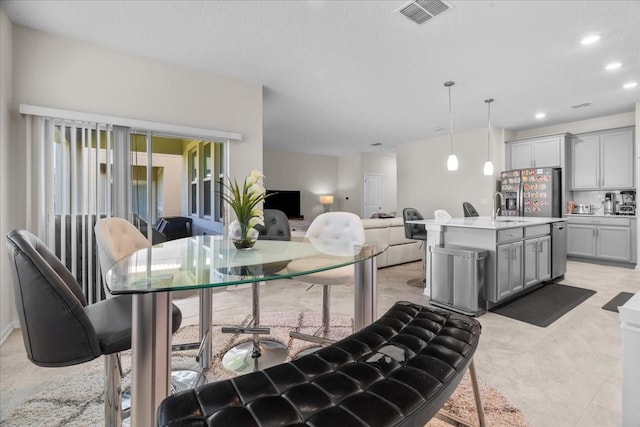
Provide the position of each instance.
(452, 160)
(488, 166)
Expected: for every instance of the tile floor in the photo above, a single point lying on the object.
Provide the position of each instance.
(568, 374)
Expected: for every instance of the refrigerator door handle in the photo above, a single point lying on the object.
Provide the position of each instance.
(521, 200)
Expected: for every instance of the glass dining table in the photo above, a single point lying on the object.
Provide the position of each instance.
(204, 263)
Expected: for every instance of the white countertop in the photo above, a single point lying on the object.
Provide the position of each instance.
(485, 222)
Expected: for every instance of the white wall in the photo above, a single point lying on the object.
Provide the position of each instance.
(350, 183)
(7, 310)
(425, 183)
(57, 72)
(313, 175)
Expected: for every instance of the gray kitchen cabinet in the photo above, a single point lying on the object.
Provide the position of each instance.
(616, 153)
(540, 152)
(585, 161)
(602, 160)
(537, 260)
(606, 238)
(509, 269)
(613, 243)
(581, 240)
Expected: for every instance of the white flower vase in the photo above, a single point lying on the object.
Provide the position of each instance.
(242, 236)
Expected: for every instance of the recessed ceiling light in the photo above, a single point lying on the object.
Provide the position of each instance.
(630, 85)
(590, 39)
(613, 66)
(541, 116)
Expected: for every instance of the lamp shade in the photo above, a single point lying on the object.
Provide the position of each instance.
(326, 200)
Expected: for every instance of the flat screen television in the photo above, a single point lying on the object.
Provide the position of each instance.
(285, 200)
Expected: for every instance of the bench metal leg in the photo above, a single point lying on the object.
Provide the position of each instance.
(457, 421)
(476, 394)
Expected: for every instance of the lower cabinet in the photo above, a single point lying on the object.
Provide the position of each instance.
(603, 238)
(613, 243)
(581, 240)
(509, 269)
(537, 260)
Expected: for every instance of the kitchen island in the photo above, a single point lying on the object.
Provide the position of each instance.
(520, 253)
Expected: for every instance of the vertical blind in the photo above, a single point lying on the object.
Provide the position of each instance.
(79, 169)
(74, 164)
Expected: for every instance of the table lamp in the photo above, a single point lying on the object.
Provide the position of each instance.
(326, 201)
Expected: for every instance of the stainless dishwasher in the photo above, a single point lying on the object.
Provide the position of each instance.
(558, 249)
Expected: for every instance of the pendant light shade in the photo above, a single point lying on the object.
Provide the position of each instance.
(488, 166)
(452, 160)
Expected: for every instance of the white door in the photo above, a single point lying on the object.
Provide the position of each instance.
(372, 194)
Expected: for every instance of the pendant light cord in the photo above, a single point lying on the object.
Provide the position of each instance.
(448, 85)
(489, 101)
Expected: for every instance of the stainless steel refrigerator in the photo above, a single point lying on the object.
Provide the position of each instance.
(531, 192)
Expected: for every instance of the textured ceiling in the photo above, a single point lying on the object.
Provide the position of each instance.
(341, 75)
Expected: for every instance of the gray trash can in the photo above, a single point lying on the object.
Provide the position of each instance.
(457, 279)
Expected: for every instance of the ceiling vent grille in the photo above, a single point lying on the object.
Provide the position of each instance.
(420, 11)
(584, 104)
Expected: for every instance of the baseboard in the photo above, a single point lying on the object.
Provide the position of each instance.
(7, 331)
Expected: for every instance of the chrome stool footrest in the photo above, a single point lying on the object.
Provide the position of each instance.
(245, 330)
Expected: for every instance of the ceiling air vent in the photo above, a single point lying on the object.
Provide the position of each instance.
(584, 104)
(376, 144)
(420, 11)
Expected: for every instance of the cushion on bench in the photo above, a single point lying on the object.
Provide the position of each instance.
(398, 371)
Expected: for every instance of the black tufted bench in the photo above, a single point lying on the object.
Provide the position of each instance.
(398, 371)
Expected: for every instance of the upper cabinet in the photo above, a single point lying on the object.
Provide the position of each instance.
(602, 160)
(547, 151)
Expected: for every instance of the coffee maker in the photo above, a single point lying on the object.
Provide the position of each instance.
(628, 206)
(609, 199)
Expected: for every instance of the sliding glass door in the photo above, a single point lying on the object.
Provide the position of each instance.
(81, 171)
(177, 179)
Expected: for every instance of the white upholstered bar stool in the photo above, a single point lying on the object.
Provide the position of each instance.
(327, 232)
(441, 215)
(117, 238)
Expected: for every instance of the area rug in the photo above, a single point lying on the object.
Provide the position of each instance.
(78, 402)
(545, 305)
(617, 301)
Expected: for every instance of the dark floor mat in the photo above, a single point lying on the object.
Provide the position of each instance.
(544, 306)
(617, 301)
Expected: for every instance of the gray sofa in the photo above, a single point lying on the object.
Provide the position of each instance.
(390, 231)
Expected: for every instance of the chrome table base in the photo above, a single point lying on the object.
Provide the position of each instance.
(249, 356)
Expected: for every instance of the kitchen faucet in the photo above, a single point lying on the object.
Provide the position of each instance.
(495, 210)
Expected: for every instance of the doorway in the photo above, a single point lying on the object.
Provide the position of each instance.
(372, 195)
